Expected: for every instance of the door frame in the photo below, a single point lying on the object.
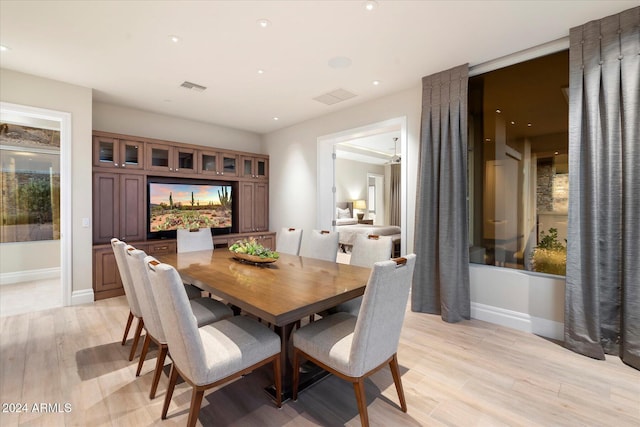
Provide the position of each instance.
(64, 118)
(326, 174)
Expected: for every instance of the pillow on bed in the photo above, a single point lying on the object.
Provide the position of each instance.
(346, 221)
(343, 213)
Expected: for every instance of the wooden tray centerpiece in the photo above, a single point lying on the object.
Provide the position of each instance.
(249, 250)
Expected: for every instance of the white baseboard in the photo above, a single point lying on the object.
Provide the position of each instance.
(29, 275)
(516, 320)
(83, 296)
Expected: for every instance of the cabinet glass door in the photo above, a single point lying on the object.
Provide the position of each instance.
(247, 167)
(160, 157)
(185, 160)
(106, 151)
(261, 168)
(132, 154)
(209, 163)
(229, 165)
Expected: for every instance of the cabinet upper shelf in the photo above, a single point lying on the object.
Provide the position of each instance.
(126, 153)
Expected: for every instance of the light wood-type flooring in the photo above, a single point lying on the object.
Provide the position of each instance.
(467, 374)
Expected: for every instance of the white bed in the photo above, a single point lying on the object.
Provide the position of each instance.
(349, 228)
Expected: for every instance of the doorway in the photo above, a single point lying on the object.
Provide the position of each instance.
(326, 170)
(36, 207)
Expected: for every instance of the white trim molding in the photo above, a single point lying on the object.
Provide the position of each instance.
(519, 321)
(29, 275)
(83, 296)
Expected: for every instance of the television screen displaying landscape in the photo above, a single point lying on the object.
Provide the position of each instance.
(173, 206)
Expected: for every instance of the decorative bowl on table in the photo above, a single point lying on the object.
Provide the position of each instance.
(249, 250)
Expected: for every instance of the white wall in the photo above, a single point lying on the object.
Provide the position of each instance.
(129, 121)
(524, 301)
(293, 175)
(29, 90)
(351, 179)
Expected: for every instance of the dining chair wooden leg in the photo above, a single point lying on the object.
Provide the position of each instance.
(173, 379)
(361, 398)
(196, 401)
(136, 338)
(296, 373)
(277, 379)
(126, 328)
(158, 371)
(143, 353)
(395, 371)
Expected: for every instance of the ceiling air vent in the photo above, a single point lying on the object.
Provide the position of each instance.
(335, 96)
(193, 86)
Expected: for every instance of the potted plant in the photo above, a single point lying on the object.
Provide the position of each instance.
(550, 256)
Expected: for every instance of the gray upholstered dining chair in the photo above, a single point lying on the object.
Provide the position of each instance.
(366, 251)
(323, 244)
(354, 347)
(132, 300)
(196, 239)
(205, 311)
(214, 354)
(288, 241)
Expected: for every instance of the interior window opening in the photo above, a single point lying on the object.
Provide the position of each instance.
(518, 165)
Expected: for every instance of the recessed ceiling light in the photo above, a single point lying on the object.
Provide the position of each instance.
(513, 123)
(498, 111)
(260, 71)
(276, 118)
(376, 82)
(370, 5)
(528, 124)
(3, 48)
(264, 23)
(174, 38)
(557, 152)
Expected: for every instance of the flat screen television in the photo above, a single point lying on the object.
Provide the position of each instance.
(186, 203)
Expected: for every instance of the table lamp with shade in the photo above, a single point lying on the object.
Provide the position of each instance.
(361, 205)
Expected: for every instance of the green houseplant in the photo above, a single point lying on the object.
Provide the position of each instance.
(550, 256)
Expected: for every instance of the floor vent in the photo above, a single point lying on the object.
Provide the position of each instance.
(334, 97)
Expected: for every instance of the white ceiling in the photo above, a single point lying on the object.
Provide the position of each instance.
(122, 49)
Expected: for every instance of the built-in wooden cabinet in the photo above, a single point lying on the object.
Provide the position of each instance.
(254, 167)
(218, 163)
(122, 164)
(118, 153)
(254, 206)
(169, 158)
(118, 207)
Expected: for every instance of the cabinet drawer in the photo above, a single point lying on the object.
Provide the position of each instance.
(161, 248)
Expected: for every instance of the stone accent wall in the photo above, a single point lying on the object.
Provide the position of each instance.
(544, 185)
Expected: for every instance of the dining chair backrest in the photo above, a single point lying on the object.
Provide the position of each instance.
(323, 244)
(178, 322)
(377, 331)
(118, 247)
(135, 261)
(196, 239)
(288, 241)
(369, 249)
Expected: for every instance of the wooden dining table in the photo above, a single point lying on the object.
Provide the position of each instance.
(280, 293)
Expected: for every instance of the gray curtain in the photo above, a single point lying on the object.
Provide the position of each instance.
(394, 214)
(602, 305)
(441, 278)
